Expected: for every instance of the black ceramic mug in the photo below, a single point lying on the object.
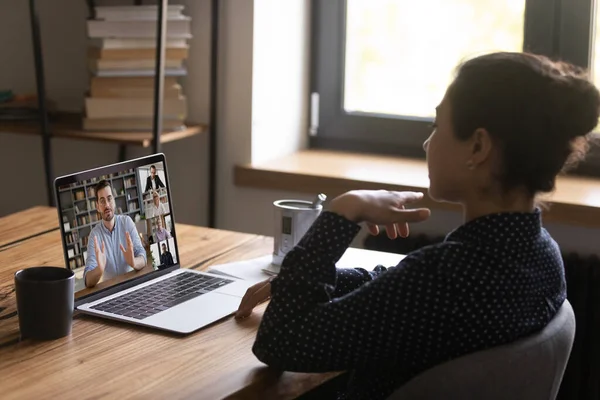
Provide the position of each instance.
(45, 297)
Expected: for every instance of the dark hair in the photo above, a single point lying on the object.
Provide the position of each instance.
(101, 185)
(152, 166)
(540, 112)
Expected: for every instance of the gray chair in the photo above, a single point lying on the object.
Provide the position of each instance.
(531, 368)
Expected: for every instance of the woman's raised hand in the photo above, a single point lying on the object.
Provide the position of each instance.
(381, 207)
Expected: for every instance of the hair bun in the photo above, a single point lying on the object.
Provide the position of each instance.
(576, 102)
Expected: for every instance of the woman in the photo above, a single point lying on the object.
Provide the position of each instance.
(508, 124)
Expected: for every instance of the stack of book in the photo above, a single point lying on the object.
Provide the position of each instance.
(122, 62)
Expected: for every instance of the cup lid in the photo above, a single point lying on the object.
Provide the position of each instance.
(296, 204)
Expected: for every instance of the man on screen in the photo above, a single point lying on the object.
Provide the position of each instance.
(115, 245)
(153, 182)
(157, 208)
(166, 258)
(161, 233)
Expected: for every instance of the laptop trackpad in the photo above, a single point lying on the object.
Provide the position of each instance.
(235, 288)
(195, 313)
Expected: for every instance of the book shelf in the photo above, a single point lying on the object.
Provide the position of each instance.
(79, 214)
(69, 126)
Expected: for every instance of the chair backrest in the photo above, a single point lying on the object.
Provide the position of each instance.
(531, 368)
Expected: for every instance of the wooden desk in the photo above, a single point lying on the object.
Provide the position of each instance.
(105, 359)
(27, 223)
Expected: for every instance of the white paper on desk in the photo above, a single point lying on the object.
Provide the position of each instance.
(248, 270)
(254, 270)
(368, 259)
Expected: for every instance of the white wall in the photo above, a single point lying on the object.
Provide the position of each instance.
(262, 108)
(280, 78)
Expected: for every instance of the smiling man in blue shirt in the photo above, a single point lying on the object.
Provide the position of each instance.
(116, 245)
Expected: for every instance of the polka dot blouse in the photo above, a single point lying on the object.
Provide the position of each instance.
(491, 281)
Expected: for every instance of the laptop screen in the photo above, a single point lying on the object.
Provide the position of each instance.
(117, 223)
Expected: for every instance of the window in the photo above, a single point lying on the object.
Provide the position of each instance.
(380, 67)
(389, 71)
(595, 64)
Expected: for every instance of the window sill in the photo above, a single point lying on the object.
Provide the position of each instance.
(576, 200)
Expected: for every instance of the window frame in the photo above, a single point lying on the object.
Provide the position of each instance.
(551, 27)
(576, 46)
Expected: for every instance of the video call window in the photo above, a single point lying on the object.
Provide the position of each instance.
(137, 201)
(163, 254)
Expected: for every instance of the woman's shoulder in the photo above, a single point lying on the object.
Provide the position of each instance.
(473, 255)
(451, 256)
(438, 254)
(433, 263)
(440, 249)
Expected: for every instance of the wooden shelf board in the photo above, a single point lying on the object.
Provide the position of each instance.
(68, 125)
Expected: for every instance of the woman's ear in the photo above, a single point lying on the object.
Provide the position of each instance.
(481, 148)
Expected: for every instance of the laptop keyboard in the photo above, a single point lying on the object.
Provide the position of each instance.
(152, 299)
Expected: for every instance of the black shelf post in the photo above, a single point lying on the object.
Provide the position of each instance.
(41, 92)
(159, 73)
(212, 124)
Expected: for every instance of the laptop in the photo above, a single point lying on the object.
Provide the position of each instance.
(143, 282)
